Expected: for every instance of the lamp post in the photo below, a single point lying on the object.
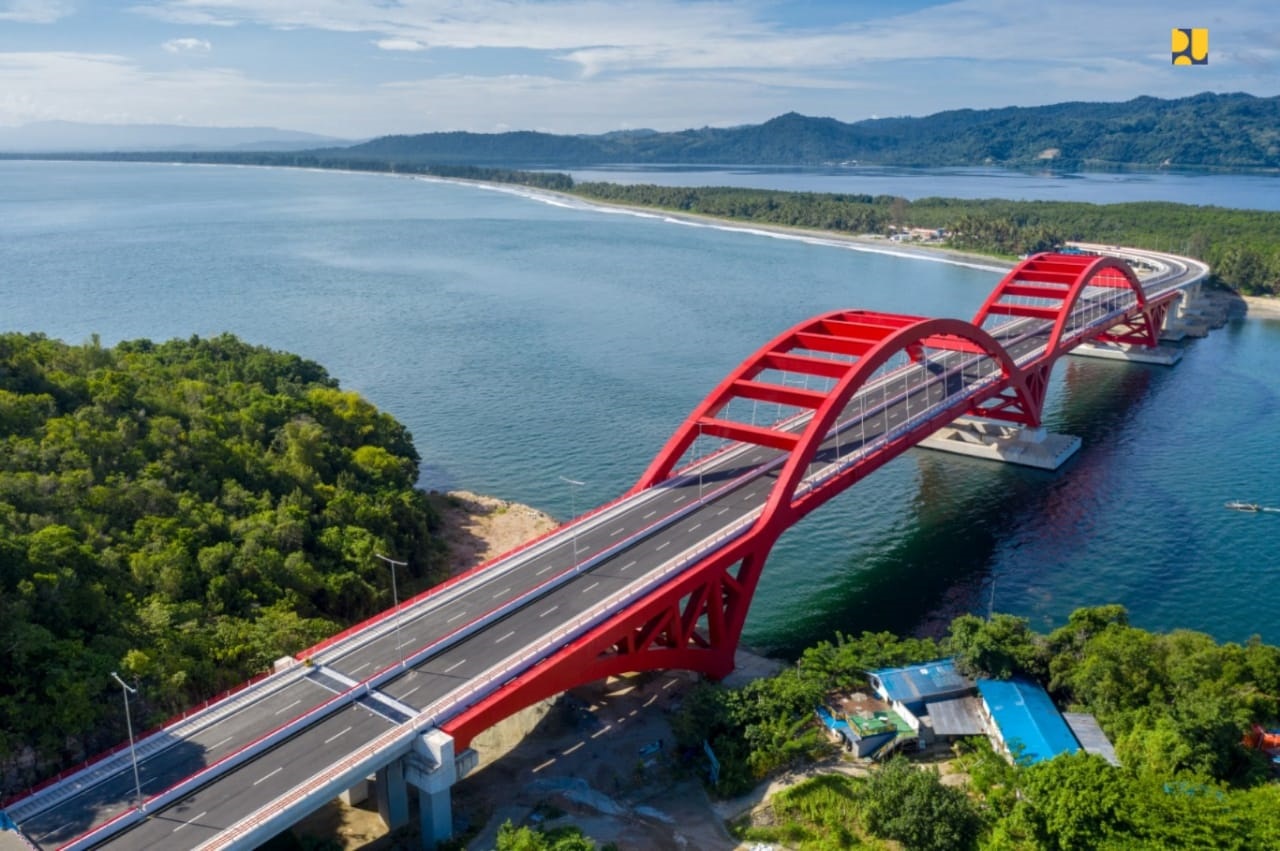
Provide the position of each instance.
(128, 720)
(395, 598)
(573, 511)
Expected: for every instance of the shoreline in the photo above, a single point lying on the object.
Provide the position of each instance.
(1258, 307)
(1261, 307)
(868, 243)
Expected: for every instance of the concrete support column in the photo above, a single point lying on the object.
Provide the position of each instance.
(435, 817)
(432, 769)
(393, 795)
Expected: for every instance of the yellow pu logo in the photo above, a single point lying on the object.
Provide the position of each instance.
(1191, 47)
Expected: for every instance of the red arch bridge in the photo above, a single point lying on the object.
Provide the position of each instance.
(660, 578)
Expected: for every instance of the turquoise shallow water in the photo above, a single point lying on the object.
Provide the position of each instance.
(523, 341)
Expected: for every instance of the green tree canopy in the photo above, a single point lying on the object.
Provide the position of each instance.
(185, 513)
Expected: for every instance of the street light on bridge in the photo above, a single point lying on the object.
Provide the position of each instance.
(128, 720)
(395, 599)
(573, 513)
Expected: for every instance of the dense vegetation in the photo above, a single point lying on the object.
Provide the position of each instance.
(183, 513)
(1242, 246)
(1207, 130)
(1176, 705)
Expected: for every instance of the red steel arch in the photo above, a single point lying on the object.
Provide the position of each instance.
(1056, 282)
(860, 337)
(694, 621)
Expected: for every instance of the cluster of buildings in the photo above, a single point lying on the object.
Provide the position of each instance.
(919, 704)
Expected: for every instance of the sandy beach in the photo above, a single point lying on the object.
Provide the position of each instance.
(1262, 307)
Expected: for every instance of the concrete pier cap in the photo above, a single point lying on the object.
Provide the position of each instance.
(999, 441)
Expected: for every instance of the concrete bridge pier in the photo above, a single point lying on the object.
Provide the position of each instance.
(392, 795)
(1000, 441)
(431, 768)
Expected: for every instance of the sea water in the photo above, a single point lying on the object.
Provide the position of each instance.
(523, 341)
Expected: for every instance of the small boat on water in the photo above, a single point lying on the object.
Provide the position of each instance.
(1251, 506)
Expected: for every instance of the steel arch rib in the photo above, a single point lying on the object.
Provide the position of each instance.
(660, 631)
(1087, 277)
(1059, 277)
(664, 462)
(780, 511)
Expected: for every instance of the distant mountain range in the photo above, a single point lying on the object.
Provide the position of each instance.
(1204, 131)
(70, 137)
(1229, 131)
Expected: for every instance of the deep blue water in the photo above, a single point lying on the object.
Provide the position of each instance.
(523, 341)
(1245, 191)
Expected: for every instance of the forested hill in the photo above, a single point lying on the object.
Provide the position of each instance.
(1205, 131)
(183, 513)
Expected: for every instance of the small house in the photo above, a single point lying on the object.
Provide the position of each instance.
(1023, 721)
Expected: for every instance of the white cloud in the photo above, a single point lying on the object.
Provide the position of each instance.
(187, 45)
(400, 44)
(34, 11)
(579, 66)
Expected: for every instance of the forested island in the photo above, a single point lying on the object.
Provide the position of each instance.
(183, 513)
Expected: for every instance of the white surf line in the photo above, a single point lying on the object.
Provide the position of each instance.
(557, 199)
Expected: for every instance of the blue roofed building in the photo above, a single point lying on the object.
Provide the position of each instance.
(930, 691)
(1024, 722)
(915, 685)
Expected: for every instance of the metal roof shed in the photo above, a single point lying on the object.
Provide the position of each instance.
(914, 684)
(1090, 735)
(1027, 721)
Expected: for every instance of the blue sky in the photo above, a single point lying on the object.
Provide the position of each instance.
(360, 68)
